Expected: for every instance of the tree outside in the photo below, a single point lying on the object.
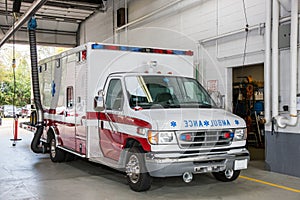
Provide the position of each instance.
(22, 73)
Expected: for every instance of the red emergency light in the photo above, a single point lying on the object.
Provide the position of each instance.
(228, 135)
(111, 47)
(83, 55)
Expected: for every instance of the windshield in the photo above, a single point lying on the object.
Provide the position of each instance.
(166, 92)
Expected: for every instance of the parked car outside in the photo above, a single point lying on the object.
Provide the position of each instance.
(9, 111)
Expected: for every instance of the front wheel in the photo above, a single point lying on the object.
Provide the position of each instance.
(56, 154)
(227, 175)
(137, 176)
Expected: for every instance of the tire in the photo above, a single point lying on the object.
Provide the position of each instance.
(56, 154)
(227, 175)
(137, 176)
(70, 157)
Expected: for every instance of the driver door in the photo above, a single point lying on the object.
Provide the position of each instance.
(110, 135)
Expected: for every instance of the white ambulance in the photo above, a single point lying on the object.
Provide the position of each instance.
(139, 110)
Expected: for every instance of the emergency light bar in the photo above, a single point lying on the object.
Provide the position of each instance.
(142, 49)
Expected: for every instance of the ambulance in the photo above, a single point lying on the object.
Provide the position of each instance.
(138, 110)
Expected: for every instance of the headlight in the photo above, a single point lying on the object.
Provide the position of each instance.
(156, 137)
(240, 134)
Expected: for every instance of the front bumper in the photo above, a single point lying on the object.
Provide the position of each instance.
(158, 165)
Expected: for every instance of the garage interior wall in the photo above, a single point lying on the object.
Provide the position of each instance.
(196, 25)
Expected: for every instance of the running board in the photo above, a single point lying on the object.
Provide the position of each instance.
(72, 152)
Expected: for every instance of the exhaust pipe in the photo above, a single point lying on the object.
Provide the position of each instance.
(187, 177)
(36, 141)
(35, 144)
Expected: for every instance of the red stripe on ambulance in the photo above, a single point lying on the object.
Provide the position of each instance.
(118, 119)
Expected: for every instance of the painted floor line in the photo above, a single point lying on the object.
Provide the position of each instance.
(270, 184)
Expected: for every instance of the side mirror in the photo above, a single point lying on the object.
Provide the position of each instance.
(99, 101)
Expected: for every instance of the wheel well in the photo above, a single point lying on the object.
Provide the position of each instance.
(50, 134)
(133, 143)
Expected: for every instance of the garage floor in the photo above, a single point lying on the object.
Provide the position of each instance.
(25, 175)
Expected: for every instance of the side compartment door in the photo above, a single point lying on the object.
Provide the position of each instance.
(80, 107)
(69, 113)
(110, 135)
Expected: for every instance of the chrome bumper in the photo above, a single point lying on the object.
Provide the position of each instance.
(158, 165)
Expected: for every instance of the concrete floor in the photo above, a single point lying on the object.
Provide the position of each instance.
(25, 175)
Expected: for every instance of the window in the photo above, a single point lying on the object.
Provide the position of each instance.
(70, 97)
(167, 91)
(114, 98)
(190, 90)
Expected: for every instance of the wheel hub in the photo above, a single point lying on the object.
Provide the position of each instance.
(133, 169)
(229, 173)
(53, 148)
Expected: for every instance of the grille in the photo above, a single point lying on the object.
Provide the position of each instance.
(205, 139)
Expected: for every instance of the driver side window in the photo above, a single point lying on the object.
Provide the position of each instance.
(115, 97)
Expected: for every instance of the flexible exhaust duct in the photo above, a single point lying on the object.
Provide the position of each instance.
(35, 87)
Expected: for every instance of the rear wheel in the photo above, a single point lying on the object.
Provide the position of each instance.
(137, 176)
(56, 154)
(227, 175)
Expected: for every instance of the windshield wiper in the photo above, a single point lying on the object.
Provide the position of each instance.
(168, 105)
(205, 105)
(195, 104)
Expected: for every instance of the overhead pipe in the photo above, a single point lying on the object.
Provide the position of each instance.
(242, 30)
(31, 11)
(113, 21)
(267, 65)
(126, 21)
(292, 120)
(275, 59)
(286, 19)
(227, 34)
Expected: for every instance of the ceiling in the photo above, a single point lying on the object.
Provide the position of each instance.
(58, 20)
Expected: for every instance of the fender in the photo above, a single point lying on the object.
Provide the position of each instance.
(53, 130)
(142, 141)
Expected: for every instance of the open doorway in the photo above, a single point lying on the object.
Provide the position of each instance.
(248, 103)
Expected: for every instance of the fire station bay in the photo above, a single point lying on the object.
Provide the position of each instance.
(149, 99)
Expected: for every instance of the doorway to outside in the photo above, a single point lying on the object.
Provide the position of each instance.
(248, 103)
